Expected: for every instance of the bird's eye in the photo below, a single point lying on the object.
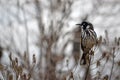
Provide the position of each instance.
(84, 24)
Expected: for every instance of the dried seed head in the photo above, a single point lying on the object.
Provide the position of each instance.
(71, 76)
(105, 77)
(118, 43)
(91, 52)
(104, 40)
(29, 76)
(98, 63)
(107, 57)
(25, 56)
(99, 40)
(10, 56)
(20, 70)
(34, 58)
(67, 61)
(16, 61)
(24, 77)
(104, 54)
(10, 77)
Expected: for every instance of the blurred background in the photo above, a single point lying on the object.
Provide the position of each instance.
(38, 41)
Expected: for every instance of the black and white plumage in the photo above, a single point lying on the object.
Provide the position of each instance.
(88, 40)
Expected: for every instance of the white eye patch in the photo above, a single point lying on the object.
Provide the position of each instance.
(88, 27)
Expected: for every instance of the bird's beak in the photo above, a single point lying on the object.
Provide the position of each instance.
(78, 24)
(78, 28)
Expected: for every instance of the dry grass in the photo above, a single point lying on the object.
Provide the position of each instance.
(20, 70)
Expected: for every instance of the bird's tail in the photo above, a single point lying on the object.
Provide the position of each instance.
(84, 59)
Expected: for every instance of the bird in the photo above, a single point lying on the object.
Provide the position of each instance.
(88, 40)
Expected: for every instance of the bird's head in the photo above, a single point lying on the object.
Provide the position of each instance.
(86, 25)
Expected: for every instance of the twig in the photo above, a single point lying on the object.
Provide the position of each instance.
(112, 64)
(86, 74)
